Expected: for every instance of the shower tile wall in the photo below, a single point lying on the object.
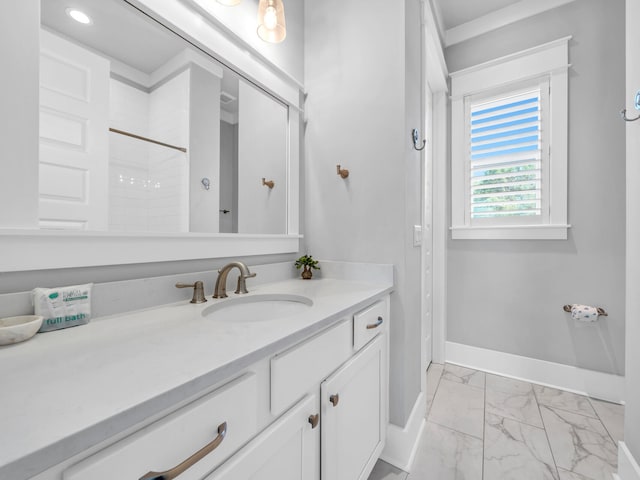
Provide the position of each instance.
(147, 182)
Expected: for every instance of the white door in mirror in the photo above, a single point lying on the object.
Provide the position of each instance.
(74, 113)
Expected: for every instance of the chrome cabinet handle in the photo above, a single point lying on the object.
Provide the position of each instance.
(313, 420)
(375, 325)
(192, 460)
(334, 399)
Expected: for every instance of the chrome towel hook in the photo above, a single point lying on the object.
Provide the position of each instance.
(623, 114)
(416, 136)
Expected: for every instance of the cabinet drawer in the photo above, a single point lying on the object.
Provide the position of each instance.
(170, 441)
(368, 323)
(296, 371)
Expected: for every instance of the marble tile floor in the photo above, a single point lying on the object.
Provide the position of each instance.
(486, 427)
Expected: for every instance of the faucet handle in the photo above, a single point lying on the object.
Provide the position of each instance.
(198, 291)
(242, 284)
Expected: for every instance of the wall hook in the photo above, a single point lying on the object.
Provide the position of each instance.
(269, 183)
(416, 136)
(343, 172)
(623, 114)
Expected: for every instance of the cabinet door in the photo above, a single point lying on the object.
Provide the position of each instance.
(288, 450)
(353, 410)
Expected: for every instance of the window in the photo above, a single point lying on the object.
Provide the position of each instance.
(506, 156)
(509, 146)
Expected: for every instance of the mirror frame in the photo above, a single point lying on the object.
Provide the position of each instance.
(34, 249)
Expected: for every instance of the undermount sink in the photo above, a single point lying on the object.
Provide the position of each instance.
(257, 308)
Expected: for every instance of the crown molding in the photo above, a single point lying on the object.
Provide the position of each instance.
(499, 18)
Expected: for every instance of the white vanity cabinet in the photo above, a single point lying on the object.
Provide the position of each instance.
(314, 411)
(353, 412)
(354, 401)
(351, 377)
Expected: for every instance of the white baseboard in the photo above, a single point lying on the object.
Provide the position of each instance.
(402, 443)
(628, 468)
(604, 386)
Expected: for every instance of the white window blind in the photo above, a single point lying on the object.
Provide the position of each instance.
(506, 155)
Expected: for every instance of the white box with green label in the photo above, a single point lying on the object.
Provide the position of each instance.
(63, 307)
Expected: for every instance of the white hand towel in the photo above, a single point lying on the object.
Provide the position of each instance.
(584, 313)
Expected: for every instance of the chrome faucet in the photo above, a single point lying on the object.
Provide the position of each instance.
(220, 290)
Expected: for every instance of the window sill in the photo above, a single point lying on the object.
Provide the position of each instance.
(511, 232)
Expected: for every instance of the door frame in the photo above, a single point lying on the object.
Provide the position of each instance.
(435, 84)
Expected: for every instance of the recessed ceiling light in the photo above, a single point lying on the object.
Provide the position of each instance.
(79, 16)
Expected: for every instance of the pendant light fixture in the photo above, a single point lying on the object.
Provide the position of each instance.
(229, 3)
(271, 23)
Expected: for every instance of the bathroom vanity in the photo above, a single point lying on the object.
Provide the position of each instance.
(194, 392)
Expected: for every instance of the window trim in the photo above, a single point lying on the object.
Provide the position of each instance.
(551, 60)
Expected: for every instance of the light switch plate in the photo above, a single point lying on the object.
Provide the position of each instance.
(417, 235)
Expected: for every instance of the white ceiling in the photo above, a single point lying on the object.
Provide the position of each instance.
(457, 12)
(122, 33)
(118, 31)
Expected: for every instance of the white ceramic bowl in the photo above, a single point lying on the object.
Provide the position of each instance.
(19, 329)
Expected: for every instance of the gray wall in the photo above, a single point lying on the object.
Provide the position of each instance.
(360, 94)
(13, 282)
(632, 411)
(508, 295)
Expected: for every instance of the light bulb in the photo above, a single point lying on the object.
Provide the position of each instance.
(271, 23)
(270, 17)
(79, 16)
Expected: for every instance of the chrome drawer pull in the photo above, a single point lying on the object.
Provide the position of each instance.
(375, 325)
(192, 460)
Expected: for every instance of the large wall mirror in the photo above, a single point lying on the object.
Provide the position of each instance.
(163, 136)
(141, 132)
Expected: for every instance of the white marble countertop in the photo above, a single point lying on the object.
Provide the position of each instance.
(65, 391)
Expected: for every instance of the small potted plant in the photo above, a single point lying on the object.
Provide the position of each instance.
(308, 263)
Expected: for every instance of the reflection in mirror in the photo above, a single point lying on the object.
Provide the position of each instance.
(142, 132)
